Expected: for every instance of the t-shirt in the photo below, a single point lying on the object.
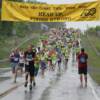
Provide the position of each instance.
(66, 54)
(59, 58)
(21, 60)
(82, 60)
(42, 57)
(29, 57)
(16, 57)
(37, 59)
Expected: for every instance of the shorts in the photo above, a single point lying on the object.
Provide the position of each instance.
(59, 61)
(30, 69)
(14, 67)
(82, 70)
(66, 59)
(36, 69)
(21, 65)
(43, 65)
(54, 62)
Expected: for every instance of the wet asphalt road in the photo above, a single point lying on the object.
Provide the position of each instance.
(56, 86)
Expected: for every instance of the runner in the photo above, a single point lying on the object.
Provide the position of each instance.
(49, 59)
(74, 53)
(11, 57)
(14, 58)
(21, 61)
(59, 63)
(43, 64)
(63, 51)
(66, 58)
(29, 67)
(54, 59)
(82, 66)
(37, 63)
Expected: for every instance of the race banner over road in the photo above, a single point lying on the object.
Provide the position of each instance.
(14, 11)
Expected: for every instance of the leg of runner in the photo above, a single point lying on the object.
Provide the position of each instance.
(26, 78)
(42, 72)
(49, 65)
(26, 75)
(85, 76)
(81, 80)
(32, 81)
(36, 69)
(59, 63)
(62, 59)
(52, 66)
(13, 70)
(66, 61)
(15, 74)
(21, 65)
(43, 66)
(73, 57)
(32, 78)
(59, 66)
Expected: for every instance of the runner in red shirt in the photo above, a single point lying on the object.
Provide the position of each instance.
(82, 66)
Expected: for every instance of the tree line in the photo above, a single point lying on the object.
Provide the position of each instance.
(21, 28)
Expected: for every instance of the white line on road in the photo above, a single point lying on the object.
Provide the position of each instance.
(93, 90)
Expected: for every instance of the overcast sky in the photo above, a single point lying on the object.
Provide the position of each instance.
(82, 25)
(64, 1)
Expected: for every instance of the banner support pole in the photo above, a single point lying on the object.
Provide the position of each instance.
(99, 9)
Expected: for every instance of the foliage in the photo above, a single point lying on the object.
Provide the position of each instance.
(93, 30)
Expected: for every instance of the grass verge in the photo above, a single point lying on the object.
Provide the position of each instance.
(7, 44)
(94, 59)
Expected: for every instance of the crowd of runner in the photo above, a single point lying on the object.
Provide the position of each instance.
(50, 55)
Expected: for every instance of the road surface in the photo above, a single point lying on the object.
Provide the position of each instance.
(56, 86)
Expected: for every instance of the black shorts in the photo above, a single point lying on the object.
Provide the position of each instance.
(82, 70)
(59, 62)
(21, 65)
(66, 59)
(30, 69)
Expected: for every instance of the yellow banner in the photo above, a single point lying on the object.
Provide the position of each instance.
(14, 11)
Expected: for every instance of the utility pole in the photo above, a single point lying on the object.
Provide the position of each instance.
(0, 8)
(99, 9)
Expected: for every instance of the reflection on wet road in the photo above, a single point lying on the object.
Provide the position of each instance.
(55, 86)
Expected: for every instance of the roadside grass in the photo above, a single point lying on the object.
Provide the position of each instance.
(33, 41)
(94, 59)
(96, 77)
(4, 78)
(5, 64)
(95, 42)
(7, 44)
